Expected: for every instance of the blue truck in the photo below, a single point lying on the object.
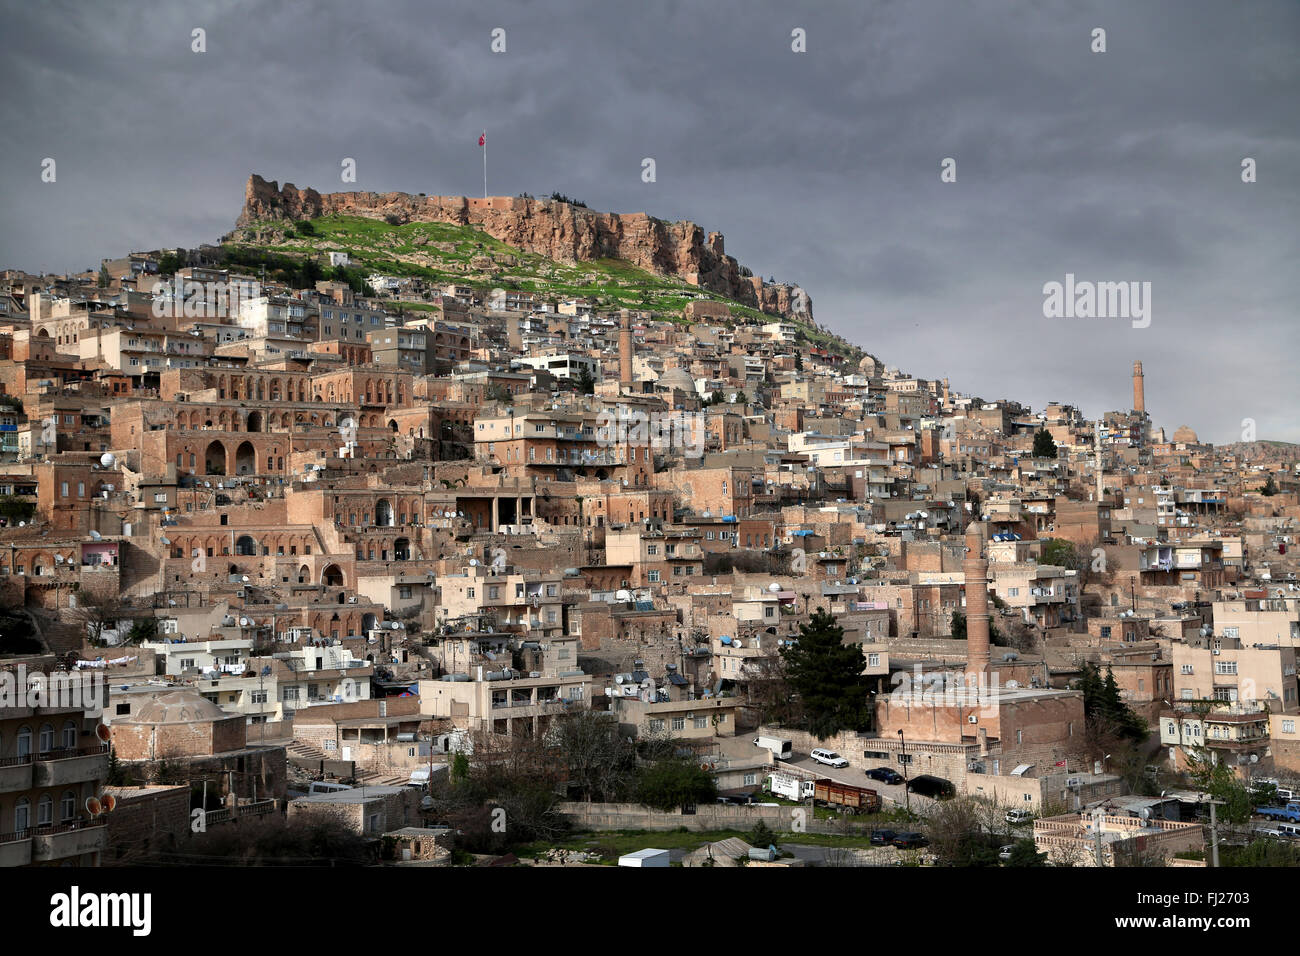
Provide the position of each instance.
(1290, 812)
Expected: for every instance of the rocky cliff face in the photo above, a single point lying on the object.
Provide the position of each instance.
(553, 229)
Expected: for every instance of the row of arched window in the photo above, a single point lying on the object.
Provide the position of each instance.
(45, 739)
(23, 819)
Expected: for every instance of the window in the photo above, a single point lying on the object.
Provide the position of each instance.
(22, 814)
(46, 741)
(873, 660)
(69, 736)
(1225, 667)
(656, 726)
(679, 723)
(701, 723)
(68, 806)
(1288, 726)
(653, 577)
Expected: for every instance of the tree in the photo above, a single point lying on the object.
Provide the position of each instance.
(1044, 446)
(1221, 783)
(956, 835)
(586, 382)
(104, 277)
(1107, 719)
(1270, 488)
(672, 783)
(601, 761)
(1025, 853)
(827, 676)
(96, 613)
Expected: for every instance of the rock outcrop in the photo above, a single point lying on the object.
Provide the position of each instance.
(557, 230)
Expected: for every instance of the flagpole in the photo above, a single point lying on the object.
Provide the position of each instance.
(485, 164)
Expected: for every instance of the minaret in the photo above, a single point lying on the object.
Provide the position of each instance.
(976, 571)
(1139, 393)
(625, 349)
(1097, 468)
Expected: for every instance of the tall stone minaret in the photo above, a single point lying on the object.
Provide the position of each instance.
(976, 571)
(1139, 392)
(625, 350)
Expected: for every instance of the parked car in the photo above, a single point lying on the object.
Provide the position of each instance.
(829, 757)
(1004, 853)
(910, 841)
(1017, 816)
(883, 837)
(885, 775)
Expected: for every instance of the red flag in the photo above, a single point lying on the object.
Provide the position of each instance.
(482, 140)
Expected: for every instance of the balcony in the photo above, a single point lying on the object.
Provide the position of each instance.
(16, 848)
(15, 774)
(68, 840)
(56, 768)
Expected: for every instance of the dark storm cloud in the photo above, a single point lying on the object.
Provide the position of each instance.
(822, 168)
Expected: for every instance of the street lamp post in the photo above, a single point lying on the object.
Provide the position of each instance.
(907, 794)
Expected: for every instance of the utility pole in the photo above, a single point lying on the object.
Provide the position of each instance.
(1214, 833)
(907, 794)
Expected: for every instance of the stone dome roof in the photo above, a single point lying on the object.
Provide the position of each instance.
(679, 379)
(177, 707)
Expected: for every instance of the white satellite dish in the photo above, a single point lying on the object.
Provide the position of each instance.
(95, 535)
(473, 562)
(165, 540)
(245, 579)
(107, 459)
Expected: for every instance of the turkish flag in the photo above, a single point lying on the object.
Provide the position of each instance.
(482, 140)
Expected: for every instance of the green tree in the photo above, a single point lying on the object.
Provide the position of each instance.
(1059, 552)
(1270, 488)
(586, 382)
(671, 783)
(104, 277)
(1221, 783)
(827, 675)
(1106, 716)
(1044, 446)
(459, 770)
(1025, 853)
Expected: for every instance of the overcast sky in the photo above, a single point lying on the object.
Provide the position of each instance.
(821, 167)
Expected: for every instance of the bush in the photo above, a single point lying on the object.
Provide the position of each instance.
(671, 783)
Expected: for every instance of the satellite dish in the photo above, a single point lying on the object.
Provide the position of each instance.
(473, 562)
(165, 540)
(95, 536)
(245, 579)
(94, 807)
(109, 802)
(58, 559)
(774, 587)
(103, 733)
(107, 459)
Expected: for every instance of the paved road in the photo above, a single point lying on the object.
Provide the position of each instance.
(889, 793)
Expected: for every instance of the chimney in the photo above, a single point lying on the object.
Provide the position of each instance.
(625, 349)
(976, 571)
(1139, 394)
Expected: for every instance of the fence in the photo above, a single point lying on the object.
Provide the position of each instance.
(633, 816)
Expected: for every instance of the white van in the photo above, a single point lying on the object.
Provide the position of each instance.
(1289, 829)
(782, 749)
